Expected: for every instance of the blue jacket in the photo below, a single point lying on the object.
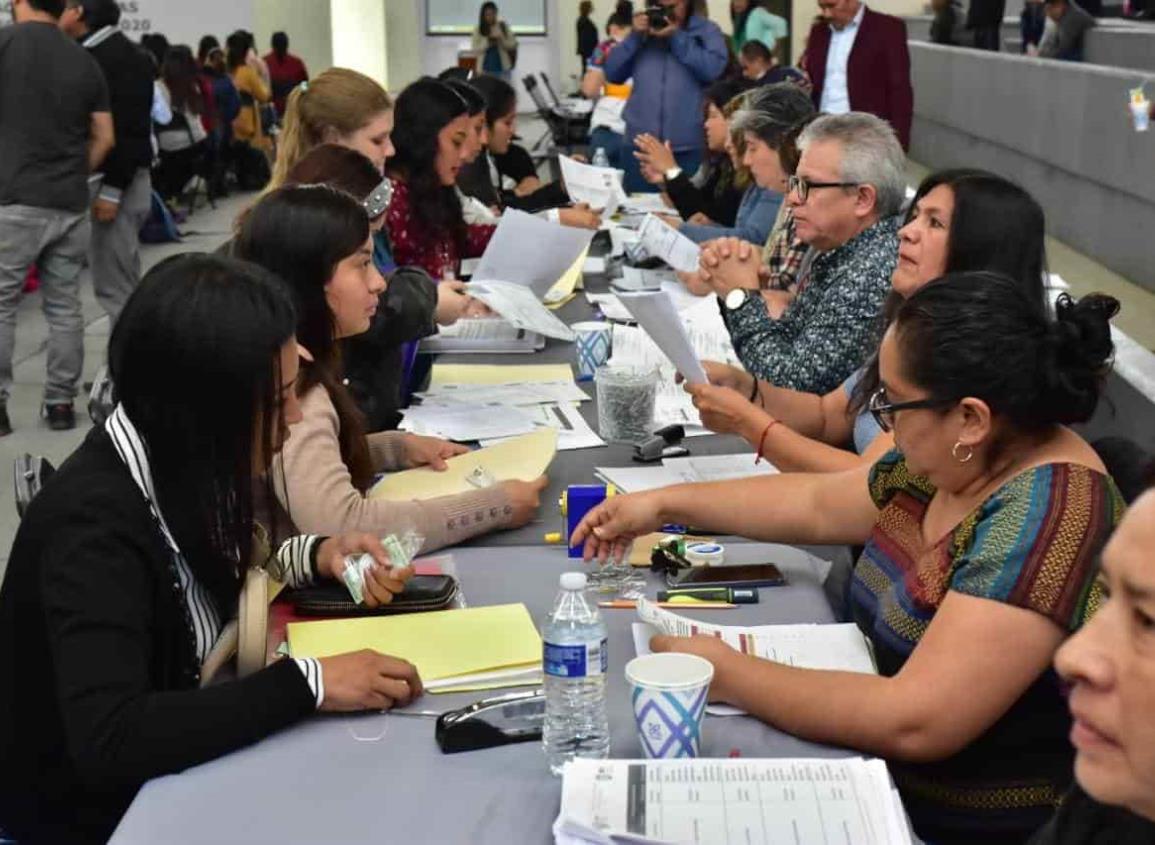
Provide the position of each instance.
(669, 76)
(756, 216)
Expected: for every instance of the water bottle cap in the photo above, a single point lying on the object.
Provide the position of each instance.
(573, 581)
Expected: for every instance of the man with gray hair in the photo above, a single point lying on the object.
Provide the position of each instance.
(845, 199)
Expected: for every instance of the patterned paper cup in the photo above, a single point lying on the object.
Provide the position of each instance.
(669, 693)
(592, 347)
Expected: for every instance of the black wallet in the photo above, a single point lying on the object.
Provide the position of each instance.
(423, 592)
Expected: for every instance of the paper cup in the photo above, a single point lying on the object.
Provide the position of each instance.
(669, 693)
(1141, 115)
(592, 347)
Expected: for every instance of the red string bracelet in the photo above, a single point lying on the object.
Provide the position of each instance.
(762, 440)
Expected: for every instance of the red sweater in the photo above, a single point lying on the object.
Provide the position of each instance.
(415, 246)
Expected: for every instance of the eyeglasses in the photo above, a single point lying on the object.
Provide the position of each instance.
(377, 203)
(884, 410)
(803, 186)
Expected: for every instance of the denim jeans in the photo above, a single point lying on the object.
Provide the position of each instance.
(57, 242)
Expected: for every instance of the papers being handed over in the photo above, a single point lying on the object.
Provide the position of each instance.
(532, 252)
(655, 312)
(483, 336)
(727, 802)
(523, 458)
(667, 243)
(598, 187)
(521, 307)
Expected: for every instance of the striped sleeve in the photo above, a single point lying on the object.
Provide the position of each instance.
(297, 559)
(1035, 543)
(311, 668)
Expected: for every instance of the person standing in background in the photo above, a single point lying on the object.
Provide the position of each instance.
(672, 57)
(985, 20)
(944, 29)
(495, 41)
(286, 71)
(122, 197)
(1064, 41)
(587, 33)
(858, 61)
(754, 22)
(607, 127)
(55, 129)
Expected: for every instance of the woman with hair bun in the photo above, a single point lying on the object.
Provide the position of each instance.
(981, 530)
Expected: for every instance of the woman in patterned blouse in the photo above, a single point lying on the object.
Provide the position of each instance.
(981, 532)
(959, 220)
(425, 222)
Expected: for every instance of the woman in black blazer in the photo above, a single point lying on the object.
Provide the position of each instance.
(128, 565)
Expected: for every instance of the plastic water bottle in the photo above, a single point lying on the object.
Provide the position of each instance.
(600, 158)
(574, 666)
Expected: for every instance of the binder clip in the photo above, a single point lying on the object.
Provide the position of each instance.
(665, 443)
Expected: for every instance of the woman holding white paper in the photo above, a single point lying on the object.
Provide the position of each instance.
(981, 531)
(958, 220)
(317, 240)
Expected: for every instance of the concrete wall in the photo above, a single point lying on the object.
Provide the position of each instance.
(1058, 128)
(1113, 44)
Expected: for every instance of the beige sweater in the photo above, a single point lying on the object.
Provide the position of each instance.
(318, 491)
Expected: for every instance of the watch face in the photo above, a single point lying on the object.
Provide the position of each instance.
(735, 298)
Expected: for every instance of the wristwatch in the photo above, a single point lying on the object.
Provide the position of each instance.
(673, 173)
(736, 298)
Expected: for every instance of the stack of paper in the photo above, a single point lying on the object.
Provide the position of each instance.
(532, 252)
(660, 240)
(647, 204)
(512, 394)
(454, 650)
(491, 374)
(483, 336)
(466, 422)
(635, 479)
(524, 458)
(598, 187)
(839, 647)
(730, 802)
(613, 309)
(573, 432)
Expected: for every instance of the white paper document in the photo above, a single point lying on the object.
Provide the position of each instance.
(465, 423)
(612, 308)
(573, 432)
(483, 336)
(647, 204)
(527, 250)
(667, 243)
(513, 393)
(598, 187)
(730, 802)
(717, 467)
(656, 314)
(521, 307)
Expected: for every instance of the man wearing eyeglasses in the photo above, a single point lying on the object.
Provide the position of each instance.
(846, 196)
(858, 61)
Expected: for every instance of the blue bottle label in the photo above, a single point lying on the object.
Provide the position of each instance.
(586, 660)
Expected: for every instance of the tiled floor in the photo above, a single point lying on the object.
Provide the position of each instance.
(209, 228)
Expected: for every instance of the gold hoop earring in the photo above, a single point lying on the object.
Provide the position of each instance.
(955, 449)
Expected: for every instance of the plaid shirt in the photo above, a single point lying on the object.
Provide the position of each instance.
(783, 253)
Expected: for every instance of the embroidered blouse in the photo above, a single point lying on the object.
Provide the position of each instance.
(1032, 544)
(415, 245)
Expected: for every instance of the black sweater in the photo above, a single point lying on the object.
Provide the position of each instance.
(719, 203)
(98, 675)
(128, 71)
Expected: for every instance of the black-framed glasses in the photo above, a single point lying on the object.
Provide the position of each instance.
(803, 186)
(377, 203)
(883, 410)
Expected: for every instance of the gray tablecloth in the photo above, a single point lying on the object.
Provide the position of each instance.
(318, 782)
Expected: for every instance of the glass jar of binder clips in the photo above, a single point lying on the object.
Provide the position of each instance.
(626, 397)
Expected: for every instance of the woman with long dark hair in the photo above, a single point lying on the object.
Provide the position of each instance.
(959, 220)
(128, 565)
(981, 529)
(495, 41)
(318, 240)
(183, 142)
(425, 223)
(251, 78)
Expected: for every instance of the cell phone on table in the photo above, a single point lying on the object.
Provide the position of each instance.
(743, 575)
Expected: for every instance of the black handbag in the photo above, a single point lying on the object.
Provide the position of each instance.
(421, 593)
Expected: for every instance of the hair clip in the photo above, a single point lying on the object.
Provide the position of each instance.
(377, 203)
(304, 86)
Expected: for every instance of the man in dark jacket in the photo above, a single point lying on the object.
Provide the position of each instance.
(858, 61)
(985, 20)
(122, 196)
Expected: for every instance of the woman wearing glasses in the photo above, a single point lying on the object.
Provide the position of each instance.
(981, 532)
(959, 220)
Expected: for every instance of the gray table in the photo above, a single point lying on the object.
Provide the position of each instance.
(577, 467)
(316, 782)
